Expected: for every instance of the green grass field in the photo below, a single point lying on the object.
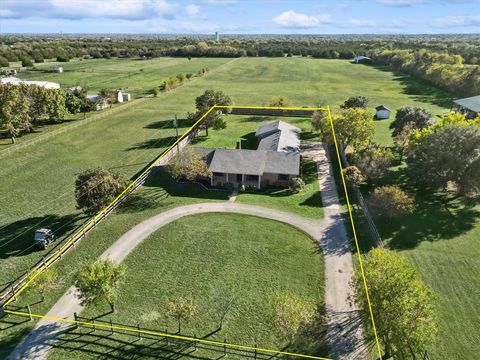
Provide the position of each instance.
(138, 77)
(38, 181)
(240, 257)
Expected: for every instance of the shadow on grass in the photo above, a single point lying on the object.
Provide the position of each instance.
(249, 141)
(16, 238)
(9, 342)
(168, 124)
(154, 143)
(419, 89)
(160, 189)
(438, 216)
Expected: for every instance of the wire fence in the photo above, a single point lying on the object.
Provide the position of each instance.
(362, 205)
(66, 128)
(9, 292)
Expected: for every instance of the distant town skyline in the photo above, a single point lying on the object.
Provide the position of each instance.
(240, 17)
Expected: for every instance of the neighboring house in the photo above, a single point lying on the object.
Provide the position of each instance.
(16, 81)
(468, 106)
(360, 59)
(100, 102)
(127, 97)
(382, 112)
(58, 69)
(274, 163)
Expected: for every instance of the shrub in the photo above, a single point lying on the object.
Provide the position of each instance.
(353, 176)
(4, 62)
(189, 75)
(63, 58)
(391, 201)
(279, 102)
(296, 184)
(374, 161)
(156, 91)
(27, 62)
(355, 102)
(219, 123)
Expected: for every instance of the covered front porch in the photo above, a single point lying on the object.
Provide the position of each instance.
(248, 180)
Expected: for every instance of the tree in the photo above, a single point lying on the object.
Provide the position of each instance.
(4, 62)
(291, 312)
(415, 117)
(96, 188)
(44, 282)
(403, 307)
(181, 309)
(355, 102)
(279, 102)
(14, 108)
(56, 109)
(374, 161)
(447, 155)
(353, 176)
(205, 101)
(188, 164)
(73, 104)
(26, 61)
(353, 127)
(99, 281)
(402, 139)
(391, 201)
(296, 184)
(318, 117)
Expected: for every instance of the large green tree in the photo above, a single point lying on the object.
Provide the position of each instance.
(98, 281)
(446, 155)
(96, 188)
(14, 111)
(188, 164)
(354, 128)
(415, 117)
(402, 306)
(204, 102)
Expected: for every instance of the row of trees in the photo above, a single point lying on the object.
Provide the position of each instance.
(175, 81)
(38, 48)
(22, 106)
(442, 69)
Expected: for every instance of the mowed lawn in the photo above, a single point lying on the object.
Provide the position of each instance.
(137, 77)
(240, 258)
(441, 238)
(37, 182)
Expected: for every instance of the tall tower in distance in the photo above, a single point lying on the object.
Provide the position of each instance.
(217, 36)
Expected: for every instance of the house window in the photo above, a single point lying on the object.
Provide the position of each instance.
(283, 177)
(252, 177)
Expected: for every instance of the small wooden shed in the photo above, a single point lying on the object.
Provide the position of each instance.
(382, 112)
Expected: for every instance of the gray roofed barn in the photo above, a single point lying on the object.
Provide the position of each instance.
(470, 105)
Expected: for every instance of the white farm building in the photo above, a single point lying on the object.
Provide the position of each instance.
(16, 81)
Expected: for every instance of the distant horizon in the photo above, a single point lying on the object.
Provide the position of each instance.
(235, 17)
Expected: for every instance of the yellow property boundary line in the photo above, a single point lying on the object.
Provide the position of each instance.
(139, 177)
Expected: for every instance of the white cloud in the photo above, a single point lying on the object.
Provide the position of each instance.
(400, 3)
(221, 2)
(361, 23)
(294, 20)
(68, 9)
(193, 11)
(180, 27)
(456, 21)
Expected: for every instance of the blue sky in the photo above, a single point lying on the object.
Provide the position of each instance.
(240, 16)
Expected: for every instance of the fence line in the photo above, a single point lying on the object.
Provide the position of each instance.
(362, 204)
(10, 292)
(66, 128)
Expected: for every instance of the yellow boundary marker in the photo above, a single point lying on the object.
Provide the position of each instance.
(97, 217)
(178, 337)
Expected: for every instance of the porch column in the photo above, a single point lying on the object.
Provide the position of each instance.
(211, 179)
(243, 179)
(227, 177)
(259, 180)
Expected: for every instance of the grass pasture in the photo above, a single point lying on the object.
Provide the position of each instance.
(136, 76)
(37, 181)
(237, 257)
